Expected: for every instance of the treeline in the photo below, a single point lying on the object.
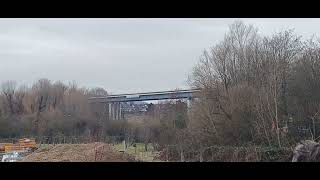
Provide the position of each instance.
(47, 108)
(53, 109)
(256, 90)
(259, 90)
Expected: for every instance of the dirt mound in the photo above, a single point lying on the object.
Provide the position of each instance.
(94, 152)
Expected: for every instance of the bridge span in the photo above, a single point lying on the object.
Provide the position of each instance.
(114, 101)
(161, 95)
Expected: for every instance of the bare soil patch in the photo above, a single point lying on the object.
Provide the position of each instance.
(94, 152)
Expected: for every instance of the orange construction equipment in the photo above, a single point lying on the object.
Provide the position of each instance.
(23, 144)
(3, 146)
(10, 148)
(27, 143)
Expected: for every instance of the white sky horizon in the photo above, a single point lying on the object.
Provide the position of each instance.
(119, 55)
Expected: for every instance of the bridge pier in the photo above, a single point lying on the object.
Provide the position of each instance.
(107, 110)
(114, 101)
(120, 112)
(115, 111)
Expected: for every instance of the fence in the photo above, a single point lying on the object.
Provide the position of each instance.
(225, 153)
(182, 154)
(67, 139)
(179, 153)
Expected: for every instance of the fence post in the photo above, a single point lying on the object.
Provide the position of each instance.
(167, 154)
(181, 155)
(211, 154)
(135, 149)
(40, 142)
(201, 157)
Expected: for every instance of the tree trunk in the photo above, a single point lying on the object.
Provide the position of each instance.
(276, 117)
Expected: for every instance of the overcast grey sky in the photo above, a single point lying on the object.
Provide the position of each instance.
(120, 55)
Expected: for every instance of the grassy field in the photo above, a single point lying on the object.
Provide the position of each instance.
(139, 152)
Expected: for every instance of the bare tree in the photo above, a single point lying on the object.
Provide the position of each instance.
(8, 90)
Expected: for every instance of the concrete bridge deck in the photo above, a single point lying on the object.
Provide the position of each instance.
(161, 95)
(113, 102)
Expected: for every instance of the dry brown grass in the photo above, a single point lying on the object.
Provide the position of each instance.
(94, 152)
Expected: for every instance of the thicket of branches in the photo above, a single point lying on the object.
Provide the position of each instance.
(256, 89)
(48, 108)
(54, 109)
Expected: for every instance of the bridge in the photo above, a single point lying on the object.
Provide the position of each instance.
(161, 95)
(114, 101)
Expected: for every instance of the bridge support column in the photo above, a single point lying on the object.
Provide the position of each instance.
(107, 109)
(120, 112)
(115, 112)
(112, 111)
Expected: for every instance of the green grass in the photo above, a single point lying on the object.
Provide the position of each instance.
(139, 151)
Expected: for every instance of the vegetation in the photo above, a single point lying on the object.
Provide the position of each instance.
(47, 109)
(256, 91)
(139, 152)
